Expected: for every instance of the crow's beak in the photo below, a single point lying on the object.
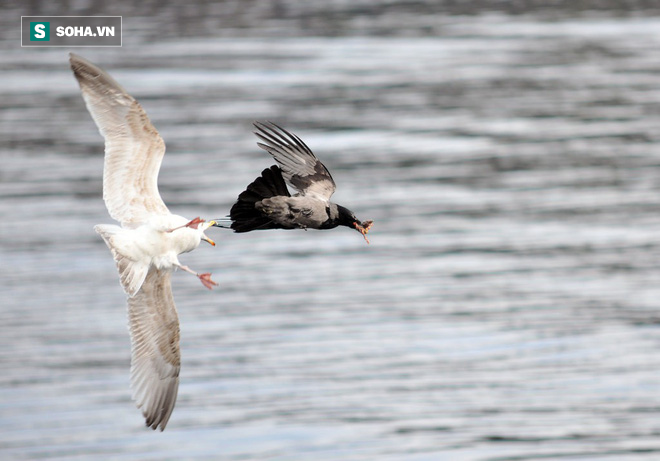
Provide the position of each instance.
(363, 228)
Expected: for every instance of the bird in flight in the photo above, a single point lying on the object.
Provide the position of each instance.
(146, 246)
(267, 204)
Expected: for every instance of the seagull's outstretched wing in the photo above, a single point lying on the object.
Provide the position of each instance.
(155, 356)
(300, 167)
(133, 148)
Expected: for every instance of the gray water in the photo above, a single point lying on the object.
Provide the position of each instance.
(506, 309)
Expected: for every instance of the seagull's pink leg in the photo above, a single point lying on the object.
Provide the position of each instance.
(192, 224)
(205, 278)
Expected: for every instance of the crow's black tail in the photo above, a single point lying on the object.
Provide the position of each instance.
(244, 216)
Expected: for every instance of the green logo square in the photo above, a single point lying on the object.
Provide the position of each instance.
(40, 31)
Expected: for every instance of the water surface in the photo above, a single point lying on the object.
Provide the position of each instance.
(506, 309)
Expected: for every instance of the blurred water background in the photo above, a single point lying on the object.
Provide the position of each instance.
(506, 309)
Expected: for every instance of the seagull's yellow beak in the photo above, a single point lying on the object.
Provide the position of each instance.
(204, 236)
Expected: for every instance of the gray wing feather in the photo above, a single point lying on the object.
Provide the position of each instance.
(300, 167)
(133, 148)
(155, 356)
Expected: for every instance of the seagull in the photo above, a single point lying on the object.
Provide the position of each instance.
(267, 203)
(146, 246)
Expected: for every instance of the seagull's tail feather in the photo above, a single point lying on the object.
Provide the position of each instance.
(244, 216)
(131, 273)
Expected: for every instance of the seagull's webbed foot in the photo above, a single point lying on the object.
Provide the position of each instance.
(205, 278)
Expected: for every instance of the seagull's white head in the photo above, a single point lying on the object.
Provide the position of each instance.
(197, 226)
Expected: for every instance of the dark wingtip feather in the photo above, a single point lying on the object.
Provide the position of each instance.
(277, 137)
(92, 76)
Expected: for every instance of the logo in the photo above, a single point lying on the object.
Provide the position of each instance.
(40, 31)
(70, 31)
